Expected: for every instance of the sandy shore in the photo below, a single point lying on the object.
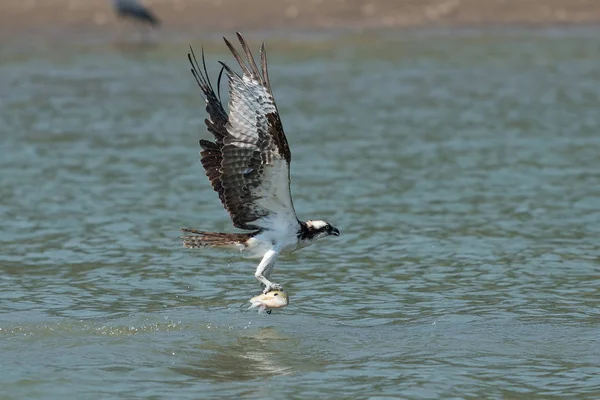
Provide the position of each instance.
(59, 17)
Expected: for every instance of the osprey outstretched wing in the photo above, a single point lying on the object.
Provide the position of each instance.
(248, 165)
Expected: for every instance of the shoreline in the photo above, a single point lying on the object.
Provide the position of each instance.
(64, 19)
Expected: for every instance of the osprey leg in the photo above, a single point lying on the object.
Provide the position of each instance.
(264, 270)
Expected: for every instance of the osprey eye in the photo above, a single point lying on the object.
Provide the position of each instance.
(276, 294)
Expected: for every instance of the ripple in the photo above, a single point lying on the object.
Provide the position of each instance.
(461, 170)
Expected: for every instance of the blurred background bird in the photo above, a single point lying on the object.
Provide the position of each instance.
(134, 10)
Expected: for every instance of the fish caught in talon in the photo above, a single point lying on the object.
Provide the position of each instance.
(268, 301)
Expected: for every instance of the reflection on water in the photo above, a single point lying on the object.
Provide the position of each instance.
(462, 169)
(249, 357)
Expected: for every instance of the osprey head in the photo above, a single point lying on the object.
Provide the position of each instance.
(314, 229)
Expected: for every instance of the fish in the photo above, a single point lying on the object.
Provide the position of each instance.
(273, 299)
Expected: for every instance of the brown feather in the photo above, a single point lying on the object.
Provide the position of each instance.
(237, 57)
(253, 68)
(263, 61)
(213, 239)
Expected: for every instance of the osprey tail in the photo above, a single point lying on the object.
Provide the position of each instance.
(215, 239)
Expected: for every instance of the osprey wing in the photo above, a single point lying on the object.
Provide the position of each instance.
(248, 163)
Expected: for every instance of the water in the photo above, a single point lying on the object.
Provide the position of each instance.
(461, 167)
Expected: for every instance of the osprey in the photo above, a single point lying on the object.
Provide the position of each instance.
(248, 165)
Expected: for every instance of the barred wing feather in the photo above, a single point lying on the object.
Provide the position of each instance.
(248, 162)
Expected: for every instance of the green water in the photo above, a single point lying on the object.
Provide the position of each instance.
(462, 169)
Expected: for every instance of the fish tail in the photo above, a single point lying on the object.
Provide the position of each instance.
(196, 239)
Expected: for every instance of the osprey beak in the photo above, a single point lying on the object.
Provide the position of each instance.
(335, 232)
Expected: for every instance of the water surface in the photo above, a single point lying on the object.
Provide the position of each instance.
(461, 167)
